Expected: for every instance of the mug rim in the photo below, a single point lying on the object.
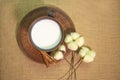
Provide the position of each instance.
(42, 18)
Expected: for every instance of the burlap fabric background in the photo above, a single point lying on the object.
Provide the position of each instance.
(97, 20)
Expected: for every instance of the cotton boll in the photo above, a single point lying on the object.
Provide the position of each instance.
(72, 46)
(88, 59)
(58, 55)
(68, 39)
(80, 41)
(62, 48)
(91, 53)
(85, 48)
(75, 35)
(89, 56)
(82, 53)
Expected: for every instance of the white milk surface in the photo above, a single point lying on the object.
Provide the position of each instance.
(46, 34)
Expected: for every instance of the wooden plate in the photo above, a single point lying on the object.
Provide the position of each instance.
(45, 12)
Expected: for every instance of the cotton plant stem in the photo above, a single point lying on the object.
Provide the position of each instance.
(78, 61)
(75, 70)
(71, 66)
(70, 72)
(72, 62)
(67, 71)
(75, 76)
(76, 64)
